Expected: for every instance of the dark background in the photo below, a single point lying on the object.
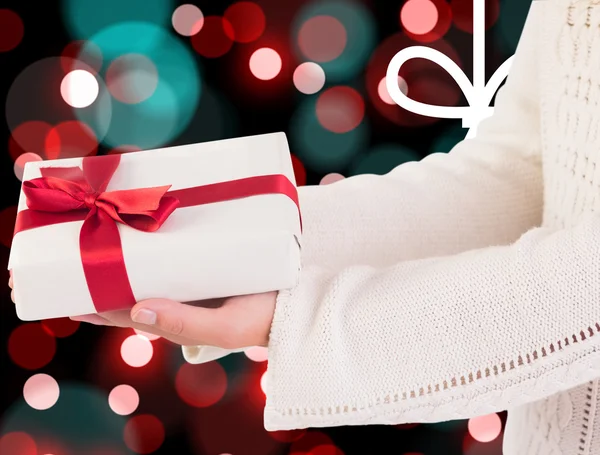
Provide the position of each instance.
(87, 364)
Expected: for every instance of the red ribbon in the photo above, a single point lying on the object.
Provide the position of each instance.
(63, 195)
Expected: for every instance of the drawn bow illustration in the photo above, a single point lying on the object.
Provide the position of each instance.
(478, 94)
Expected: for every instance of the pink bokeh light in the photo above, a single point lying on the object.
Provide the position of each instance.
(41, 391)
(419, 16)
(136, 351)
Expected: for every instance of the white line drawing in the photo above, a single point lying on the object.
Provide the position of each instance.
(478, 94)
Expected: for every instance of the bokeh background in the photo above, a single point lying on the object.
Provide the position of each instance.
(85, 77)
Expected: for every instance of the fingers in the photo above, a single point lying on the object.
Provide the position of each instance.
(92, 319)
(207, 326)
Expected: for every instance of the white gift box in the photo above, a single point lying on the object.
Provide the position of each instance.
(237, 247)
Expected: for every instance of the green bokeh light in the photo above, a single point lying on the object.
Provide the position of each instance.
(167, 112)
(382, 159)
(318, 148)
(360, 33)
(85, 18)
(448, 140)
(80, 420)
(509, 27)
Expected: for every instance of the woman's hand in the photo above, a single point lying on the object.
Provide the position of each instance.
(229, 323)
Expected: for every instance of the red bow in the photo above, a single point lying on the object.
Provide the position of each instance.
(64, 190)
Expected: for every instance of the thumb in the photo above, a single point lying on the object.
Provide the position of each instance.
(175, 318)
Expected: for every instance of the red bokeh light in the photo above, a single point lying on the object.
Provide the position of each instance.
(322, 38)
(22, 160)
(462, 12)
(326, 449)
(124, 149)
(248, 21)
(8, 217)
(30, 346)
(201, 385)
(265, 63)
(18, 443)
(29, 137)
(144, 433)
(81, 55)
(442, 25)
(136, 351)
(71, 139)
(299, 171)
(407, 426)
(60, 327)
(485, 428)
(419, 16)
(287, 436)
(340, 109)
(11, 30)
(309, 442)
(215, 38)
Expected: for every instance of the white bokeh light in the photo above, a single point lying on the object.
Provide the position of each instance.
(309, 78)
(79, 88)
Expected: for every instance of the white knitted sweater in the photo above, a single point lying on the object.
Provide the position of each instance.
(467, 283)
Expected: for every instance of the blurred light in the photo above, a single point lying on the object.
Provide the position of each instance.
(248, 21)
(309, 78)
(187, 20)
(79, 88)
(299, 172)
(81, 55)
(72, 139)
(419, 16)
(311, 440)
(132, 78)
(28, 137)
(136, 351)
(462, 14)
(322, 38)
(447, 140)
(511, 23)
(8, 217)
(84, 18)
(382, 159)
(263, 382)
(36, 96)
(407, 426)
(383, 91)
(123, 400)
(265, 63)
(144, 433)
(340, 109)
(161, 117)
(215, 38)
(30, 347)
(201, 385)
(41, 392)
(60, 327)
(331, 178)
(319, 149)
(11, 30)
(355, 43)
(22, 160)
(485, 428)
(287, 436)
(326, 449)
(441, 26)
(146, 335)
(257, 354)
(17, 443)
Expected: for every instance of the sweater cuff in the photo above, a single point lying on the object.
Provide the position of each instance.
(204, 354)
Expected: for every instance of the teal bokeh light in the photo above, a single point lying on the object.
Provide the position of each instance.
(448, 140)
(80, 421)
(320, 149)
(161, 117)
(509, 27)
(360, 36)
(85, 18)
(382, 159)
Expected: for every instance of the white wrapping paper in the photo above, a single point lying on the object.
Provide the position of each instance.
(237, 247)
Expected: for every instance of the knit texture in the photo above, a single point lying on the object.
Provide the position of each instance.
(469, 282)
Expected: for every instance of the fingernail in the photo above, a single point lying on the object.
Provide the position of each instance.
(144, 316)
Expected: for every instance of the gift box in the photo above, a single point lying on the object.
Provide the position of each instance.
(186, 223)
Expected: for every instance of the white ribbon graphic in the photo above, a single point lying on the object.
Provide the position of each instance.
(478, 94)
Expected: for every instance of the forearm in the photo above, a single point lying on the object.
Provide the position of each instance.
(438, 339)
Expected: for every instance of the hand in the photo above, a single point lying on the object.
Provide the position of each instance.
(229, 323)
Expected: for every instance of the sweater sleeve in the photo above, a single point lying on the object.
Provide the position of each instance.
(445, 204)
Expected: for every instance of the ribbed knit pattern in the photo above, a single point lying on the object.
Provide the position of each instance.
(469, 282)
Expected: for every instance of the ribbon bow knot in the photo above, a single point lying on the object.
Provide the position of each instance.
(71, 189)
(478, 94)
